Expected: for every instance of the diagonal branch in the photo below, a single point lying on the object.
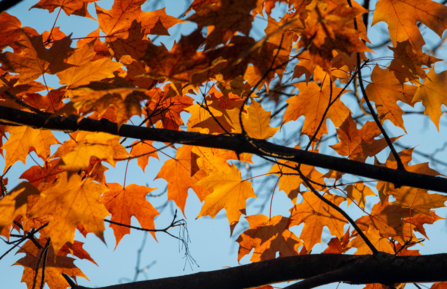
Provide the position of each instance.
(235, 143)
(363, 269)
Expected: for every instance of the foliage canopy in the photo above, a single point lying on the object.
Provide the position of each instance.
(124, 97)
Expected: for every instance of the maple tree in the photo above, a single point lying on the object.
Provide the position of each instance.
(215, 104)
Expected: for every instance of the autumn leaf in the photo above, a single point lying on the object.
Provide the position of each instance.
(43, 177)
(385, 90)
(358, 192)
(70, 202)
(117, 21)
(85, 70)
(315, 214)
(10, 29)
(76, 154)
(124, 203)
(75, 7)
(402, 17)
(15, 204)
(24, 139)
(76, 249)
(433, 94)
(143, 150)
(418, 200)
(35, 60)
(134, 45)
(290, 180)
(418, 221)
(407, 63)
(178, 173)
(230, 192)
(54, 268)
(267, 237)
(386, 218)
(379, 242)
(312, 102)
(359, 144)
(257, 122)
(227, 17)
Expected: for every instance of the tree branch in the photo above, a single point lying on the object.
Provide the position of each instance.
(361, 269)
(235, 143)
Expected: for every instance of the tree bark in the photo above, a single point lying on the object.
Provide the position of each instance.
(360, 269)
(237, 143)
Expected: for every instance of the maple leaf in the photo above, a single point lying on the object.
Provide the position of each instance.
(290, 180)
(230, 192)
(76, 154)
(166, 105)
(10, 29)
(181, 62)
(85, 70)
(315, 214)
(116, 21)
(48, 103)
(226, 17)
(386, 218)
(55, 266)
(35, 60)
(380, 243)
(267, 237)
(123, 203)
(257, 122)
(43, 177)
(126, 100)
(134, 45)
(68, 203)
(143, 150)
(385, 90)
(23, 139)
(359, 144)
(177, 172)
(329, 30)
(75, 7)
(312, 102)
(75, 249)
(418, 200)
(418, 221)
(407, 62)
(358, 192)
(402, 17)
(15, 204)
(433, 94)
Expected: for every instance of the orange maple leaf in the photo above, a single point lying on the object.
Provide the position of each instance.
(385, 90)
(35, 60)
(123, 203)
(359, 144)
(267, 237)
(75, 7)
(177, 172)
(402, 17)
(226, 17)
(315, 214)
(143, 150)
(54, 268)
(380, 243)
(358, 192)
(134, 45)
(70, 202)
(433, 94)
(116, 21)
(23, 139)
(230, 192)
(312, 102)
(15, 204)
(257, 122)
(85, 70)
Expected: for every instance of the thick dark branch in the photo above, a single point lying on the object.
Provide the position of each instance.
(361, 269)
(235, 143)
